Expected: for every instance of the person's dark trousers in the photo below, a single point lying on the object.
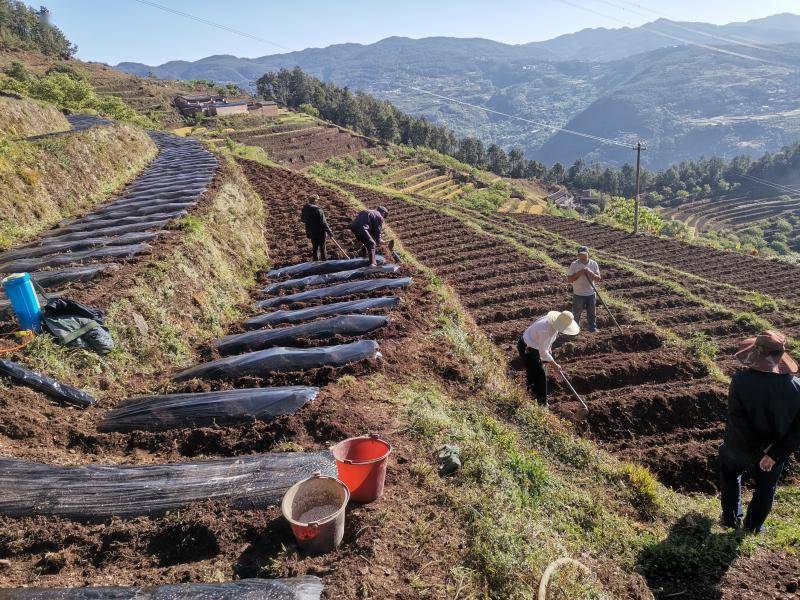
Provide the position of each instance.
(369, 247)
(536, 377)
(318, 251)
(730, 485)
(579, 303)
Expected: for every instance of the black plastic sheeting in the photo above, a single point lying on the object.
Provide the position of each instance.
(155, 413)
(338, 290)
(280, 317)
(298, 588)
(276, 360)
(47, 385)
(73, 246)
(327, 278)
(164, 191)
(60, 260)
(344, 325)
(58, 277)
(96, 492)
(321, 267)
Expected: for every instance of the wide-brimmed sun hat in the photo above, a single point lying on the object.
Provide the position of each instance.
(767, 353)
(563, 322)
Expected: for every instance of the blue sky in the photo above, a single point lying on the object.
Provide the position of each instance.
(125, 30)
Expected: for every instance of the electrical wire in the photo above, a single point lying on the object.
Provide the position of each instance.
(675, 37)
(673, 23)
(213, 24)
(732, 39)
(518, 118)
(776, 186)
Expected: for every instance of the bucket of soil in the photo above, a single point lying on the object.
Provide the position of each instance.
(315, 509)
(361, 463)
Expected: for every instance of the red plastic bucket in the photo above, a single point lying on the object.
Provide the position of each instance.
(361, 463)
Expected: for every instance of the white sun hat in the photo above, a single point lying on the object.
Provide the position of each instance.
(563, 322)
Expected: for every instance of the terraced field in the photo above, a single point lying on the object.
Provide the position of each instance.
(651, 401)
(734, 212)
(298, 143)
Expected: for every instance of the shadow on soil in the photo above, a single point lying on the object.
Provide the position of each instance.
(691, 562)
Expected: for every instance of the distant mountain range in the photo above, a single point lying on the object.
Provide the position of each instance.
(656, 82)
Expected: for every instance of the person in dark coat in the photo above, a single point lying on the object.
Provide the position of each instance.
(762, 431)
(316, 227)
(366, 227)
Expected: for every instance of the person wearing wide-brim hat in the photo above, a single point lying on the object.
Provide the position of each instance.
(535, 348)
(762, 430)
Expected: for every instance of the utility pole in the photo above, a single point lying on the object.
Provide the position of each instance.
(639, 149)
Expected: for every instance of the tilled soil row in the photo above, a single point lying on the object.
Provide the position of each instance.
(736, 269)
(657, 301)
(302, 148)
(628, 367)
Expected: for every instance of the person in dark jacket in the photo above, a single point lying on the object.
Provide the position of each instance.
(366, 227)
(763, 428)
(316, 227)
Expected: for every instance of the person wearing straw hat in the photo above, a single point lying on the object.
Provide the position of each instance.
(762, 430)
(317, 228)
(535, 349)
(582, 274)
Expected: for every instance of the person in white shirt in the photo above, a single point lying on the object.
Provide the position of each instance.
(582, 274)
(535, 349)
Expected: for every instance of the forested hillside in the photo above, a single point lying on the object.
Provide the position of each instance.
(23, 28)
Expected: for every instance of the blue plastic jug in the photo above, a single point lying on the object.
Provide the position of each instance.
(24, 302)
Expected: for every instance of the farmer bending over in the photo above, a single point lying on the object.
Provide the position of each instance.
(367, 228)
(535, 347)
(316, 227)
(763, 428)
(582, 273)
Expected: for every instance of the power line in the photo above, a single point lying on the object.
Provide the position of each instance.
(213, 24)
(675, 37)
(776, 186)
(673, 23)
(518, 118)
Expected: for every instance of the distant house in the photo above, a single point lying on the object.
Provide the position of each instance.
(264, 107)
(211, 105)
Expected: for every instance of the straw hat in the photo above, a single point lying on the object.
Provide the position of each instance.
(563, 322)
(767, 353)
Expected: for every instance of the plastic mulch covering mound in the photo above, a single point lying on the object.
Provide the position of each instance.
(328, 278)
(298, 588)
(99, 492)
(154, 413)
(325, 329)
(280, 317)
(338, 290)
(321, 267)
(275, 360)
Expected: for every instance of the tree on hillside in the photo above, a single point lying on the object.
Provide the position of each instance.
(497, 159)
(472, 152)
(23, 28)
(516, 163)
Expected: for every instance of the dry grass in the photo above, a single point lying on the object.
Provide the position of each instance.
(22, 118)
(44, 182)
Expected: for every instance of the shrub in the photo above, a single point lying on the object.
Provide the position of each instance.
(16, 70)
(309, 109)
(702, 345)
(365, 158)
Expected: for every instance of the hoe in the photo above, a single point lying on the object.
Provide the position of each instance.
(603, 302)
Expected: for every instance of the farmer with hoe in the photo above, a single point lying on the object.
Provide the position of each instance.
(317, 227)
(366, 227)
(535, 349)
(583, 273)
(762, 431)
